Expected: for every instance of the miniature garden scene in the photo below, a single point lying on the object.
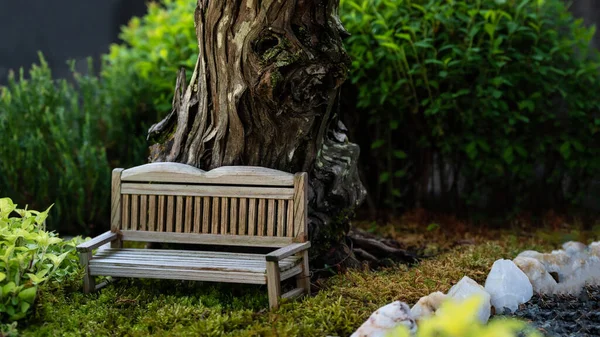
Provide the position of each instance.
(307, 168)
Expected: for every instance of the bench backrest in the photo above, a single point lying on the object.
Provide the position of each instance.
(230, 205)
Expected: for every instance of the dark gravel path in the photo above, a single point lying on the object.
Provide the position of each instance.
(564, 316)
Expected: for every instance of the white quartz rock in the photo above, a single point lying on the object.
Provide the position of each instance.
(529, 253)
(427, 305)
(557, 262)
(574, 248)
(508, 286)
(384, 319)
(594, 249)
(594, 263)
(466, 288)
(539, 277)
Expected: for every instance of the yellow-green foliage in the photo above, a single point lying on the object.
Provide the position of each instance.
(29, 257)
(459, 319)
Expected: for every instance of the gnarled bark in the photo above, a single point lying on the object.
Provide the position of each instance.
(264, 92)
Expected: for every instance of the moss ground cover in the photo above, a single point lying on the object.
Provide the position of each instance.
(341, 304)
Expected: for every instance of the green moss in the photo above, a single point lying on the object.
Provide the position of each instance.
(172, 308)
(135, 307)
(162, 138)
(275, 78)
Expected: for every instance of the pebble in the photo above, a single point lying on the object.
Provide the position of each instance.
(386, 318)
(563, 315)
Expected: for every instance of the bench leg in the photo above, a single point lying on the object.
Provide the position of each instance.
(303, 279)
(273, 284)
(116, 244)
(89, 283)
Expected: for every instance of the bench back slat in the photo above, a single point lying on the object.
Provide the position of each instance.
(125, 219)
(143, 212)
(209, 239)
(239, 201)
(208, 191)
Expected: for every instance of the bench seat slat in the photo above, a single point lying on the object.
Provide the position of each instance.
(151, 252)
(192, 264)
(189, 265)
(209, 258)
(203, 263)
(178, 274)
(193, 275)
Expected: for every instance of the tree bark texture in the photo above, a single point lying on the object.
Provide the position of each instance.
(264, 92)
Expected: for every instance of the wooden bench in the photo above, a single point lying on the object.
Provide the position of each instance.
(228, 206)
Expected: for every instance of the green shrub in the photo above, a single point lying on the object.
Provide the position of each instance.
(29, 257)
(154, 48)
(52, 149)
(501, 94)
(59, 144)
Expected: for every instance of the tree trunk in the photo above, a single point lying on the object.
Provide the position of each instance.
(264, 92)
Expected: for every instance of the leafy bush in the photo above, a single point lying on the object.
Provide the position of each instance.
(59, 143)
(29, 257)
(52, 149)
(480, 104)
(460, 320)
(154, 48)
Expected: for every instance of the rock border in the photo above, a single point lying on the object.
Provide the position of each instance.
(510, 283)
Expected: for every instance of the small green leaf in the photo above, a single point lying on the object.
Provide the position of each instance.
(577, 145)
(483, 145)
(471, 150)
(2, 276)
(400, 154)
(527, 104)
(565, 150)
(384, 177)
(9, 287)
(521, 151)
(6, 207)
(391, 45)
(24, 307)
(432, 226)
(404, 36)
(35, 279)
(28, 295)
(399, 173)
(377, 144)
(508, 155)
(490, 29)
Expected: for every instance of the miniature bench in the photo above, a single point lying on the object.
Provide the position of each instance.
(229, 206)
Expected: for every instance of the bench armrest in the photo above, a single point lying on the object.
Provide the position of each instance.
(97, 242)
(287, 251)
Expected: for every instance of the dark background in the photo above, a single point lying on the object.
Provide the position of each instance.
(76, 29)
(61, 30)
